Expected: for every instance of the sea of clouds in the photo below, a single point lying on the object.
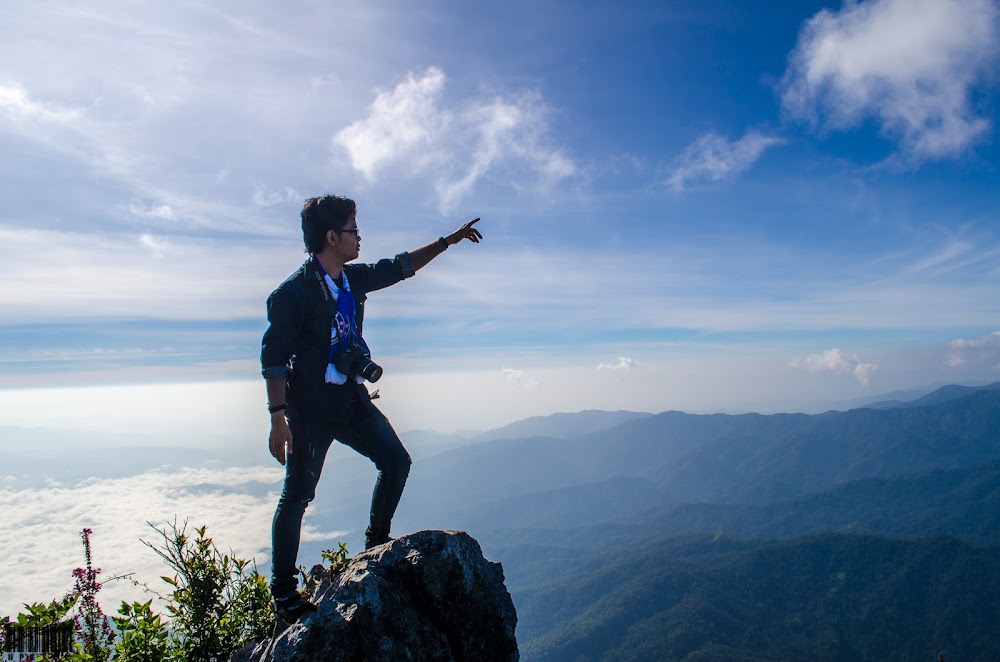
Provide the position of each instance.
(40, 529)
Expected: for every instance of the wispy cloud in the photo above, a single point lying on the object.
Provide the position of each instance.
(154, 212)
(153, 244)
(518, 378)
(836, 361)
(983, 350)
(265, 197)
(110, 276)
(17, 103)
(911, 65)
(713, 158)
(502, 135)
(623, 364)
(121, 108)
(685, 291)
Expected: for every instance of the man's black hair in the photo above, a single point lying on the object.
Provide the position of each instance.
(322, 214)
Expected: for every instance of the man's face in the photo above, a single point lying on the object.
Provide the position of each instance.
(347, 242)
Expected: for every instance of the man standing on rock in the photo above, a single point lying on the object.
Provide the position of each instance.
(315, 362)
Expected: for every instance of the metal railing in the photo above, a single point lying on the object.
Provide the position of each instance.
(20, 639)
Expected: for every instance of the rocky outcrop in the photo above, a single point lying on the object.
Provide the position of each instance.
(426, 596)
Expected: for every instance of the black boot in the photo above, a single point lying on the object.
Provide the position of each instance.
(292, 606)
(374, 538)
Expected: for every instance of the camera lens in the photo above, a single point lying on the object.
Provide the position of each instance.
(370, 370)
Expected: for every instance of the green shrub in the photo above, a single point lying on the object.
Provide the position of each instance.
(143, 636)
(218, 602)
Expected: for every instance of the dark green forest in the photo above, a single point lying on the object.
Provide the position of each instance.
(823, 597)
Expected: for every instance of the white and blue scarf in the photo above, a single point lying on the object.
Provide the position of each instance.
(343, 328)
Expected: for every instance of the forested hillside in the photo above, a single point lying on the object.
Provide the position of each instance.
(831, 597)
(869, 534)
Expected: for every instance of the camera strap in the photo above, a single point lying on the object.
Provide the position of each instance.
(343, 326)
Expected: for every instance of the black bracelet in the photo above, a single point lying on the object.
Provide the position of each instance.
(444, 243)
(276, 408)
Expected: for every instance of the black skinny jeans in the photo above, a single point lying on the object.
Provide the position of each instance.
(368, 432)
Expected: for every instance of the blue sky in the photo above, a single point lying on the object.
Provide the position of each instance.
(706, 206)
(709, 206)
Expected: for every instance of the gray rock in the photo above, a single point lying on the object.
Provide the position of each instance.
(430, 595)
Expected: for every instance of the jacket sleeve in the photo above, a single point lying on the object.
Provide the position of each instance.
(285, 316)
(383, 273)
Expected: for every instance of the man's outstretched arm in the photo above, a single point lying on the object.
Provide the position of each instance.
(425, 254)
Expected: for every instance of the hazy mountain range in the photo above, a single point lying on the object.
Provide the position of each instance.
(871, 533)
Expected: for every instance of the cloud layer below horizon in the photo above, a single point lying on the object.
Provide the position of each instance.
(40, 533)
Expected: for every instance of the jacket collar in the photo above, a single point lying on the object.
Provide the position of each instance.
(314, 277)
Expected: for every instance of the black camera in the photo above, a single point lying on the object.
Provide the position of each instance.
(352, 360)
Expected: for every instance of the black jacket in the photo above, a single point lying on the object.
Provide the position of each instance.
(296, 344)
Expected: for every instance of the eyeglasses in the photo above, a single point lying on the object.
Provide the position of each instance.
(352, 230)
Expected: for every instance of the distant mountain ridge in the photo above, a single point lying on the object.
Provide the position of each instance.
(826, 449)
(561, 425)
(902, 395)
(675, 457)
(943, 394)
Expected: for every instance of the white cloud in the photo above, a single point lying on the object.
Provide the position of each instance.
(712, 158)
(513, 376)
(154, 212)
(984, 349)
(517, 378)
(499, 136)
(14, 99)
(400, 121)
(623, 364)
(834, 360)
(264, 197)
(153, 244)
(863, 372)
(911, 65)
